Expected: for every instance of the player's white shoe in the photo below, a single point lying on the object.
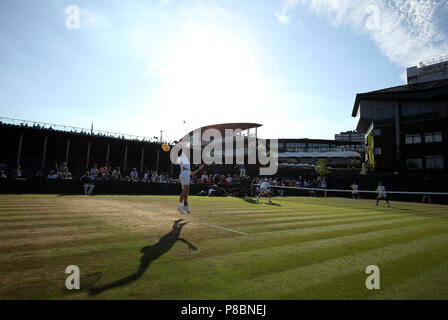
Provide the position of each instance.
(388, 205)
(270, 202)
(186, 210)
(181, 208)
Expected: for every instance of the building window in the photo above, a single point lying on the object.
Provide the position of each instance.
(434, 162)
(414, 164)
(377, 151)
(413, 139)
(433, 137)
(377, 132)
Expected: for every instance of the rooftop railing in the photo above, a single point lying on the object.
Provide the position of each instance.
(79, 130)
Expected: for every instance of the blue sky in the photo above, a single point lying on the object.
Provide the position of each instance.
(139, 67)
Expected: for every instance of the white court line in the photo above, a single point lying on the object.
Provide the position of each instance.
(222, 228)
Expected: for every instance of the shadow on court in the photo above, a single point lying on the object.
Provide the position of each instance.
(254, 201)
(150, 253)
(250, 200)
(274, 204)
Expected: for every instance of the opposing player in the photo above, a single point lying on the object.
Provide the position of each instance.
(184, 179)
(355, 192)
(265, 189)
(382, 194)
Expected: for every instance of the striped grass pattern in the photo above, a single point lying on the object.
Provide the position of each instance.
(298, 248)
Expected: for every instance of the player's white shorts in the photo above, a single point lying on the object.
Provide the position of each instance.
(184, 178)
(355, 192)
(264, 190)
(382, 195)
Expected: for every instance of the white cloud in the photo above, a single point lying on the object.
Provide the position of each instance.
(405, 31)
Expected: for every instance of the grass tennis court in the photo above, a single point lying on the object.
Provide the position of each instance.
(298, 248)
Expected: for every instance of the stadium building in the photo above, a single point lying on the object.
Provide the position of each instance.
(304, 154)
(292, 153)
(351, 136)
(406, 126)
(37, 146)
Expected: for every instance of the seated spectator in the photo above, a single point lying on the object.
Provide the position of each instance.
(87, 183)
(68, 176)
(2, 175)
(93, 172)
(146, 176)
(52, 175)
(134, 174)
(116, 175)
(229, 179)
(204, 178)
(223, 180)
(210, 179)
(64, 169)
(17, 172)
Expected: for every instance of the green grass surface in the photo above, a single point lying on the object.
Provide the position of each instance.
(300, 248)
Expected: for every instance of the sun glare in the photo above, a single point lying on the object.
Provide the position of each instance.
(209, 70)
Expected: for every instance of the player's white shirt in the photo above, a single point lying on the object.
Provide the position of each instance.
(265, 186)
(355, 188)
(183, 162)
(382, 190)
(184, 176)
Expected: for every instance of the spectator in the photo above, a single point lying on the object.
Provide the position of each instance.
(2, 175)
(17, 172)
(93, 172)
(223, 180)
(134, 174)
(242, 170)
(116, 175)
(210, 179)
(146, 176)
(87, 183)
(52, 175)
(68, 176)
(64, 169)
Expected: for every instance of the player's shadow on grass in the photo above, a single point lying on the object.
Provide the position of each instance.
(274, 204)
(254, 201)
(249, 200)
(150, 253)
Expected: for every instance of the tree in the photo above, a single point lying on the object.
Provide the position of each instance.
(367, 167)
(321, 167)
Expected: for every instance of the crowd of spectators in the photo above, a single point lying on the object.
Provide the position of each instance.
(209, 176)
(319, 182)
